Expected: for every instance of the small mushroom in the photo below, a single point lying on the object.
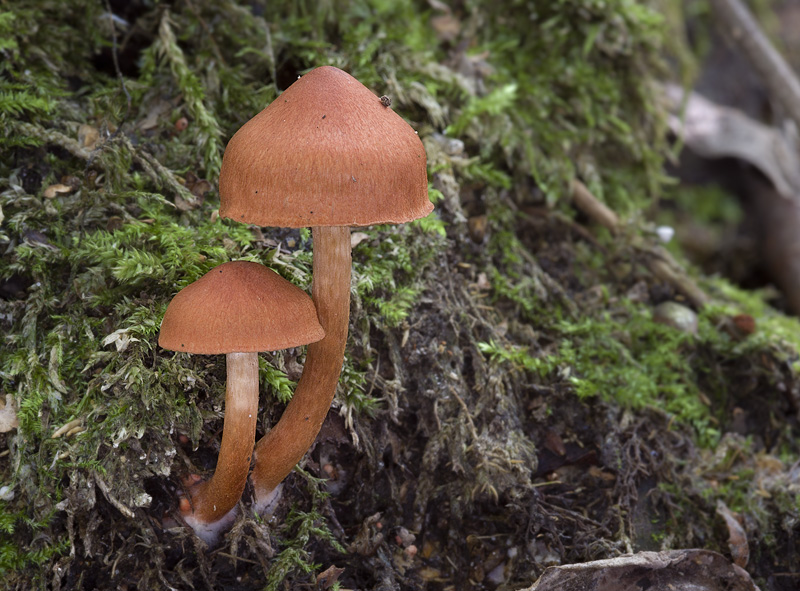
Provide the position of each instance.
(237, 308)
(327, 154)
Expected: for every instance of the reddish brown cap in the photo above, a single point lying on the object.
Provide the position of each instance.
(326, 152)
(239, 307)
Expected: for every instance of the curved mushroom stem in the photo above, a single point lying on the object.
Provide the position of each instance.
(210, 502)
(280, 449)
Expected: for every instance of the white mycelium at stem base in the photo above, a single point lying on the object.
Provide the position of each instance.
(208, 503)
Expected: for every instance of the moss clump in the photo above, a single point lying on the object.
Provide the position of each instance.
(476, 334)
(626, 357)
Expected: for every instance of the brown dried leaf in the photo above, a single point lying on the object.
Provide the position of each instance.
(357, 238)
(699, 570)
(737, 537)
(200, 188)
(483, 282)
(477, 226)
(151, 119)
(714, 131)
(8, 415)
(53, 190)
(327, 578)
(184, 204)
(88, 136)
(553, 442)
(447, 27)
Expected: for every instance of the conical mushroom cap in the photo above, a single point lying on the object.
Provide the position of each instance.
(326, 152)
(239, 307)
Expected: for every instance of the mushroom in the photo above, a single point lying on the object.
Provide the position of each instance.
(329, 154)
(237, 308)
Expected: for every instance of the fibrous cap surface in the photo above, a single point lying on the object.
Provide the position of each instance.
(326, 152)
(239, 307)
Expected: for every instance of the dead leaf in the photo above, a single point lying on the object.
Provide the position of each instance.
(714, 131)
(185, 204)
(553, 442)
(114, 223)
(737, 537)
(53, 190)
(8, 415)
(699, 570)
(151, 119)
(88, 136)
(600, 474)
(447, 27)
(357, 238)
(200, 188)
(477, 226)
(483, 283)
(327, 578)
(428, 573)
(197, 186)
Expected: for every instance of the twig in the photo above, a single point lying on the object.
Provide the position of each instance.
(159, 173)
(597, 210)
(209, 32)
(659, 261)
(666, 268)
(783, 84)
(50, 136)
(236, 558)
(117, 69)
(121, 507)
(464, 406)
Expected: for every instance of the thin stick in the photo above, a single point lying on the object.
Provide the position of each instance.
(659, 261)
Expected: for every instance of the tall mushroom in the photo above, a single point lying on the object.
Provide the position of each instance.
(329, 154)
(237, 308)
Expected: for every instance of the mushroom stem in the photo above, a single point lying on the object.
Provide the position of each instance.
(279, 450)
(213, 499)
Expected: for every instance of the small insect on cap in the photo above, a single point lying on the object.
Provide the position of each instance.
(239, 307)
(326, 152)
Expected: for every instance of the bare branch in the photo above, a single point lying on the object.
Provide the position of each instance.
(735, 19)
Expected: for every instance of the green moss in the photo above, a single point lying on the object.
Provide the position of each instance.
(388, 267)
(538, 92)
(15, 557)
(298, 529)
(775, 331)
(624, 357)
(708, 205)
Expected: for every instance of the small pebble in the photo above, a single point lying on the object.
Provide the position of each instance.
(677, 316)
